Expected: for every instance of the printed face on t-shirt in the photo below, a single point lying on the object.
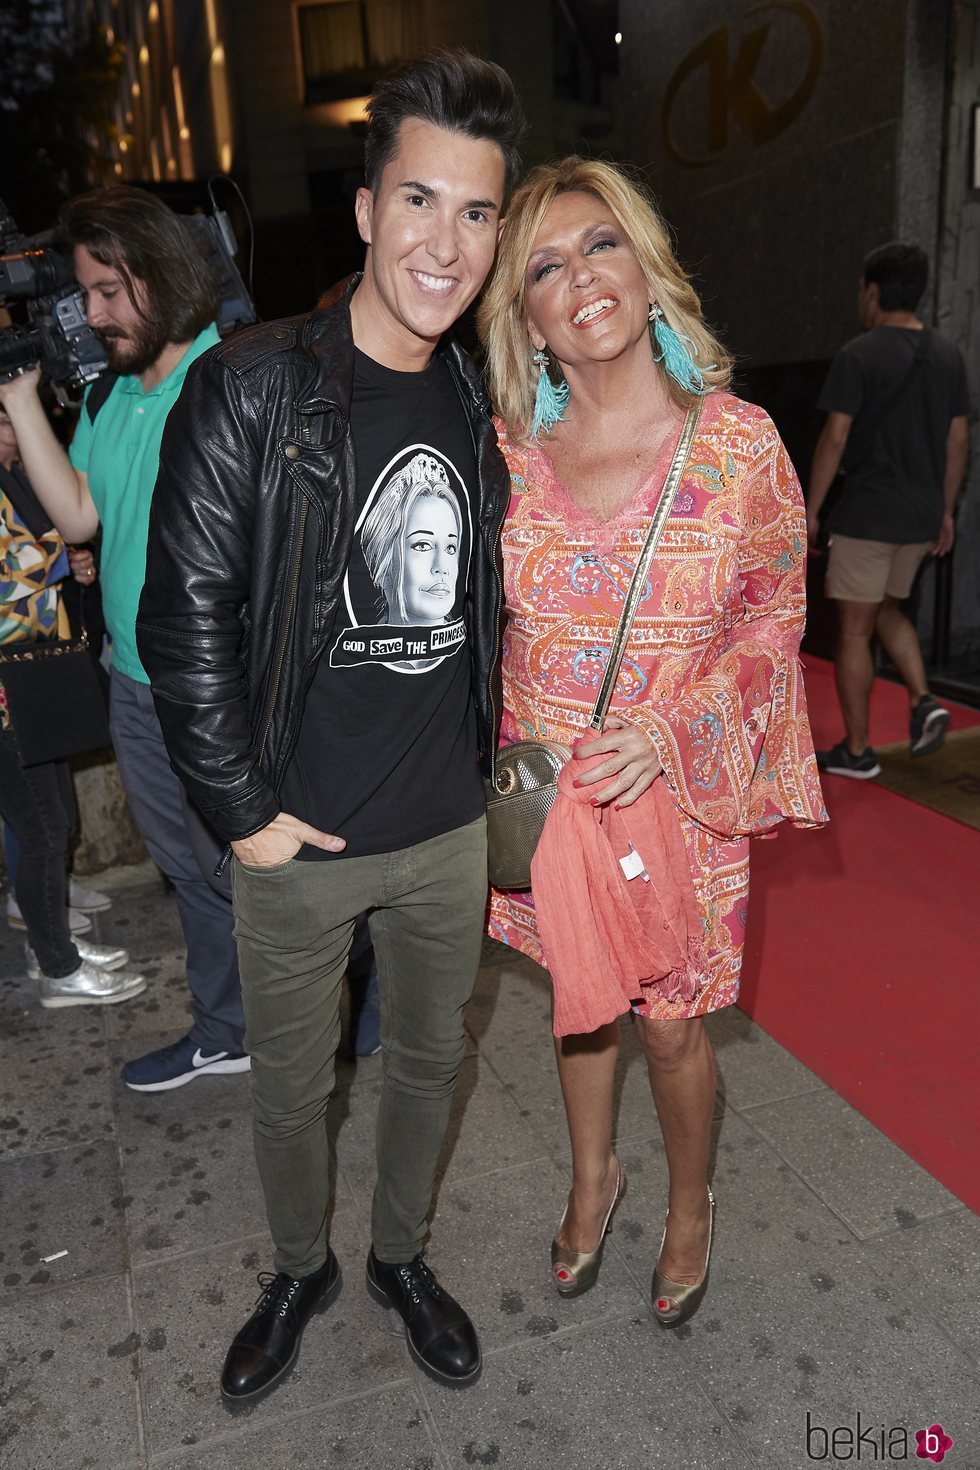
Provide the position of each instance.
(413, 541)
(429, 556)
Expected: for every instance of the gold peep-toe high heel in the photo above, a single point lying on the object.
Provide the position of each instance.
(675, 1302)
(575, 1271)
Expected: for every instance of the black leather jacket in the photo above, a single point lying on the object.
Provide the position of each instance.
(250, 535)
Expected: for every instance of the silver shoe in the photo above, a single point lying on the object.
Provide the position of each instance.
(88, 985)
(103, 956)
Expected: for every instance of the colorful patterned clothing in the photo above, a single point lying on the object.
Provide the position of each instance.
(30, 571)
(711, 671)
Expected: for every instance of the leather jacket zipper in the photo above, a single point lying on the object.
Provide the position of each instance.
(495, 719)
(287, 624)
(279, 657)
(280, 654)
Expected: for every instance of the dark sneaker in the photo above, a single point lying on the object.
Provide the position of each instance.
(178, 1063)
(927, 726)
(267, 1347)
(840, 762)
(440, 1336)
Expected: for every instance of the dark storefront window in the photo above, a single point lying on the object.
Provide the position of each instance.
(347, 44)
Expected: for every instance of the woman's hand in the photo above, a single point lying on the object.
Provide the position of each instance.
(82, 565)
(631, 760)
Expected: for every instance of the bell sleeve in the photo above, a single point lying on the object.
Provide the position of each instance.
(735, 746)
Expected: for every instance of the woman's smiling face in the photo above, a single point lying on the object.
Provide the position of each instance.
(430, 560)
(586, 295)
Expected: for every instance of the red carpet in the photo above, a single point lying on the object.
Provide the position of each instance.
(863, 951)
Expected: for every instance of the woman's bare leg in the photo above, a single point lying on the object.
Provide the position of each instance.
(681, 1064)
(586, 1068)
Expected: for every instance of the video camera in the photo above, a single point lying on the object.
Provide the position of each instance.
(55, 331)
(57, 334)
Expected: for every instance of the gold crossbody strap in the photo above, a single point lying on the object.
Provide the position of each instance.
(677, 467)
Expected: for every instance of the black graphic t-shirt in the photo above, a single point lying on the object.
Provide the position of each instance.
(386, 755)
(893, 480)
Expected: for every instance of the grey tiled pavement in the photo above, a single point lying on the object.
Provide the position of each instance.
(845, 1280)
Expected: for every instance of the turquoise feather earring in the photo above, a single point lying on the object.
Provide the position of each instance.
(678, 361)
(549, 402)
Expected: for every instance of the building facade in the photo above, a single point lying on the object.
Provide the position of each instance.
(785, 141)
(273, 92)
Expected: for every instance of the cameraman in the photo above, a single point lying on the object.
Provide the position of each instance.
(151, 299)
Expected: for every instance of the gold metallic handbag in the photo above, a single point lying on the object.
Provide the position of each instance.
(525, 777)
(525, 784)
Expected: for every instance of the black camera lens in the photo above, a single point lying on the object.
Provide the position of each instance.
(32, 273)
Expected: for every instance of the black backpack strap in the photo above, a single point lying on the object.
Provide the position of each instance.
(874, 422)
(868, 428)
(99, 392)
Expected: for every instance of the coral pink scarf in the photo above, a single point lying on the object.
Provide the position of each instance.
(608, 938)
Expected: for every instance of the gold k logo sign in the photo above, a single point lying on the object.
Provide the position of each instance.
(732, 91)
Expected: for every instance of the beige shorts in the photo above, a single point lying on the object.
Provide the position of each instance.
(870, 571)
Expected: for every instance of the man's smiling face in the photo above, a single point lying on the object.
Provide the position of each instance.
(431, 230)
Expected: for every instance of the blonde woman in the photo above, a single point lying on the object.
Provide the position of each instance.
(597, 349)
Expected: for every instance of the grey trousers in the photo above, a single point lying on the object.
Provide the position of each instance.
(295, 921)
(183, 846)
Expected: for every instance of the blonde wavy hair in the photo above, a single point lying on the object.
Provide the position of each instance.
(501, 319)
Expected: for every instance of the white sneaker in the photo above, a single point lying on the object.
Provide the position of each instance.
(89, 900)
(89, 985)
(78, 922)
(102, 956)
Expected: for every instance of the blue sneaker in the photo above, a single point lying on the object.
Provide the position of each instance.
(178, 1063)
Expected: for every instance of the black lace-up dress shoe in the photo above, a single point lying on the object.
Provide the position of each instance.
(268, 1345)
(441, 1338)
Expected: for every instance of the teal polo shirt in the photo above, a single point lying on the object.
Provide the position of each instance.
(120, 454)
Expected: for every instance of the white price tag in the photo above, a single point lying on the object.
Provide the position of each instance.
(632, 866)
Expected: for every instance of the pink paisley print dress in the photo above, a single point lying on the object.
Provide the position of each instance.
(711, 670)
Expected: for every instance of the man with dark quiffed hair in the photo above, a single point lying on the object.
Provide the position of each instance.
(151, 299)
(335, 743)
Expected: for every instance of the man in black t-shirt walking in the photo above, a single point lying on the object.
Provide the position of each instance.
(897, 403)
(320, 624)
